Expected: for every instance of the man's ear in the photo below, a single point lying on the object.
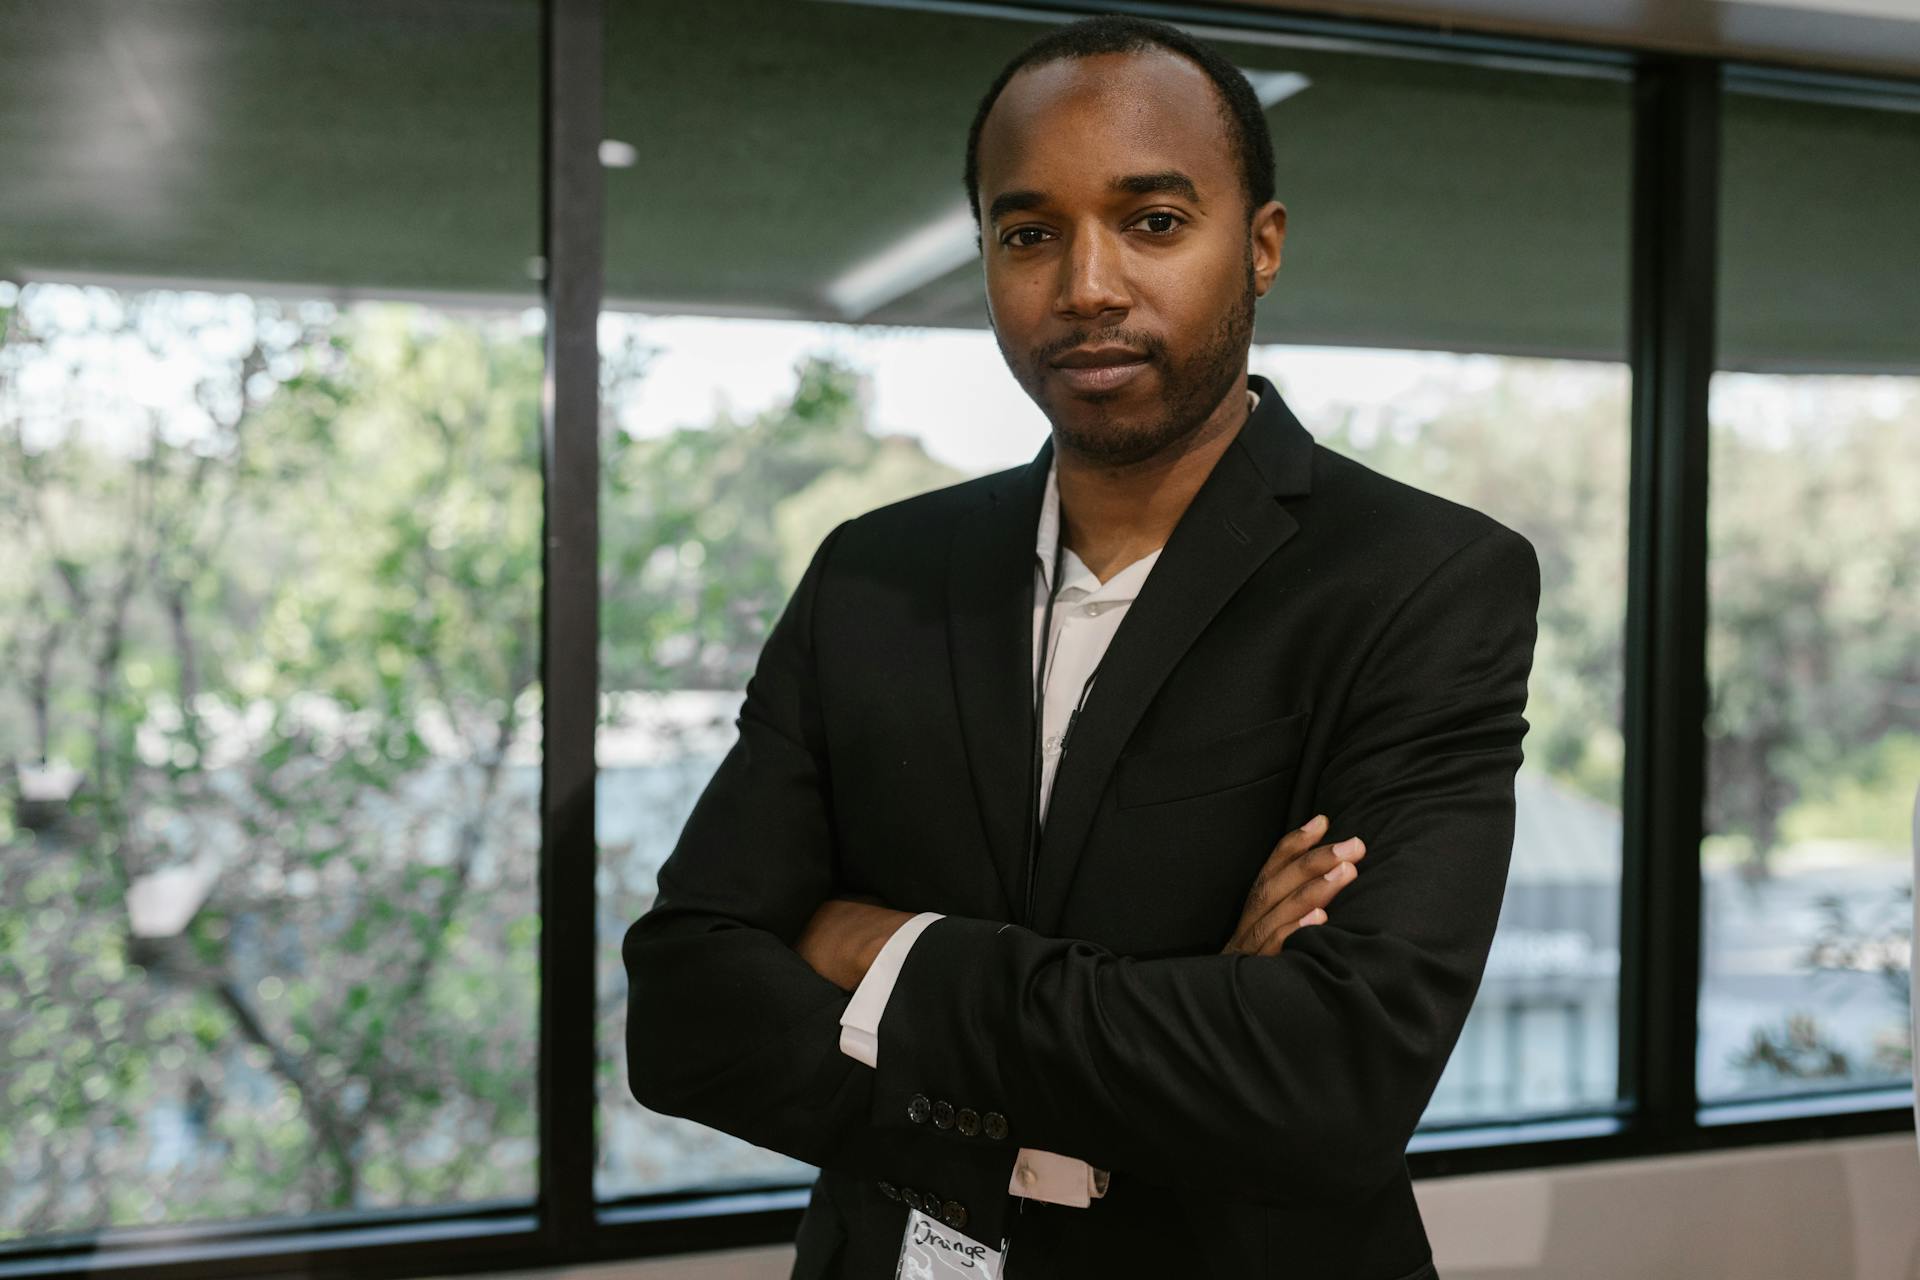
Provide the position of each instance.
(1268, 232)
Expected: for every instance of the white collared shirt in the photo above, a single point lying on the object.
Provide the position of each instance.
(1086, 613)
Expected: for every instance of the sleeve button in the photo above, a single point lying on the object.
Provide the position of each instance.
(967, 1120)
(954, 1214)
(913, 1198)
(996, 1125)
(918, 1108)
(943, 1115)
(888, 1190)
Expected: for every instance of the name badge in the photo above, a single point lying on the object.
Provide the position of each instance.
(932, 1250)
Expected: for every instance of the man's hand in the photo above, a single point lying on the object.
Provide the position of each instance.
(1292, 889)
(845, 935)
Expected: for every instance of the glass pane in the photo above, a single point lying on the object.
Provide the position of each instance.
(270, 492)
(1543, 1036)
(785, 352)
(732, 447)
(1813, 733)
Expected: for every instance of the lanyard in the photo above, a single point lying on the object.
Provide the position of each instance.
(1039, 718)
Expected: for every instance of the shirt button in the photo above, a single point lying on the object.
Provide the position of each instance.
(1093, 610)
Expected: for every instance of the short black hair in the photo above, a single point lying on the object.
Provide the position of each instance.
(1110, 33)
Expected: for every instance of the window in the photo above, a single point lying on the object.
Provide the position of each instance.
(811, 349)
(273, 733)
(1541, 445)
(270, 362)
(1813, 733)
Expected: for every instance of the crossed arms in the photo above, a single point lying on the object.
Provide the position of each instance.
(1256, 1077)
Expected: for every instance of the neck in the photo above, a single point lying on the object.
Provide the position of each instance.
(1111, 516)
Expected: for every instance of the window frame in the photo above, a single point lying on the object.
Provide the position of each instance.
(1673, 264)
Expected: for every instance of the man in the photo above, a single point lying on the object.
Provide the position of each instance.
(1079, 1006)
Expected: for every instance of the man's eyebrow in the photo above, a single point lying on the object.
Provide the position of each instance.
(1014, 202)
(1168, 180)
(1171, 181)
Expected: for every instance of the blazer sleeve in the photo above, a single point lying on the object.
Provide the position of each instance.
(1270, 1078)
(726, 1024)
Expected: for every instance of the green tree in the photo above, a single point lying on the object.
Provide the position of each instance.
(705, 530)
(289, 643)
(1814, 581)
(283, 628)
(1814, 585)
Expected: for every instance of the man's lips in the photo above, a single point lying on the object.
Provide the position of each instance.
(1095, 357)
(1099, 368)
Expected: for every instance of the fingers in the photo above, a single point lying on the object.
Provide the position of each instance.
(1291, 846)
(1265, 936)
(1269, 941)
(1295, 895)
(1297, 841)
(1270, 932)
(1303, 908)
(1331, 863)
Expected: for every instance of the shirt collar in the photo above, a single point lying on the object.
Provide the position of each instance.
(1074, 574)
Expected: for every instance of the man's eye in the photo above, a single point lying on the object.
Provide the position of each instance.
(1161, 223)
(1013, 237)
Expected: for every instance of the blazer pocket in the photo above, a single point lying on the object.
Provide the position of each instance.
(1160, 774)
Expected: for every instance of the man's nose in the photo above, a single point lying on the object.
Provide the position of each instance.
(1092, 281)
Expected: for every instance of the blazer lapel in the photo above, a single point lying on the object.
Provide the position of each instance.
(990, 599)
(1231, 527)
(1227, 532)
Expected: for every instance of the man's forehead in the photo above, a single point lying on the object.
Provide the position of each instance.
(1125, 112)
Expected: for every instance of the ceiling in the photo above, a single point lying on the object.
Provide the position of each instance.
(1423, 197)
(1874, 36)
(795, 158)
(326, 143)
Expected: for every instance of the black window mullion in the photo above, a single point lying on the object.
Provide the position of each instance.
(572, 218)
(1671, 339)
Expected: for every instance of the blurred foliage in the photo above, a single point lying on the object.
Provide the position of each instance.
(706, 530)
(1814, 595)
(285, 627)
(288, 635)
(1813, 726)
(284, 621)
(1846, 942)
(1540, 446)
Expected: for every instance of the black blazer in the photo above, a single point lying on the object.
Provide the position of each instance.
(1315, 638)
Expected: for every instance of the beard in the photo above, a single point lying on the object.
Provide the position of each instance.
(1099, 429)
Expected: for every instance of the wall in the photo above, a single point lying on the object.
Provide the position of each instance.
(1839, 1210)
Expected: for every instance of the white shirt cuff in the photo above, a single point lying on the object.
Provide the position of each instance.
(1058, 1179)
(860, 1024)
(1037, 1175)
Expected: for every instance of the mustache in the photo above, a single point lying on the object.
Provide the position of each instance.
(1139, 339)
